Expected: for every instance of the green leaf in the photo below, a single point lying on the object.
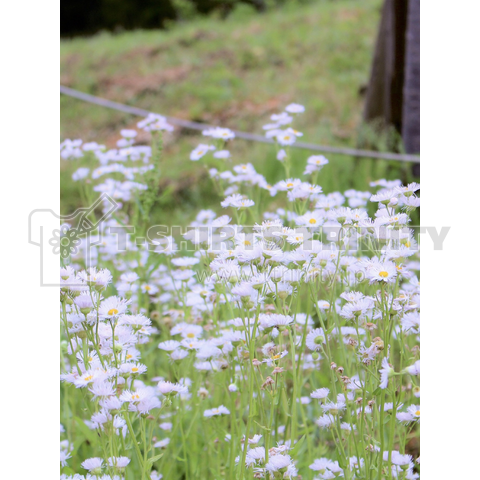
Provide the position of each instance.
(79, 440)
(152, 460)
(285, 403)
(90, 435)
(253, 410)
(297, 446)
(262, 427)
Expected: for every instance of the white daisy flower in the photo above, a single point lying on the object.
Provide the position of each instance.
(295, 108)
(221, 410)
(200, 151)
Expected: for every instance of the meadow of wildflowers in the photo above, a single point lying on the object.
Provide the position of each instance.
(277, 337)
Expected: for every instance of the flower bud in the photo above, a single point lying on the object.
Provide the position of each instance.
(379, 343)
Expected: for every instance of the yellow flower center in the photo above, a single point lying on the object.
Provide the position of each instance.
(87, 379)
(287, 137)
(134, 369)
(276, 357)
(383, 274)
(417, 413)
(289, 184)
(113, 311)
(312, 221)
(190, 335)
(148, 288)
(129, 356)
(200, 152)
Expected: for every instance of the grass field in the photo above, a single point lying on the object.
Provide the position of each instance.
(233, 73)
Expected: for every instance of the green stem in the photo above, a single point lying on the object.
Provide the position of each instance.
(134, 439)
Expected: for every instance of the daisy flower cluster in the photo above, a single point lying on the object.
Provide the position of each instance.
(278, 337)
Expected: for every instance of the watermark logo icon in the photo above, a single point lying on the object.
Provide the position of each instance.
(65, 241)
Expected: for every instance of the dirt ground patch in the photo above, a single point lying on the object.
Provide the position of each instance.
(134, 85)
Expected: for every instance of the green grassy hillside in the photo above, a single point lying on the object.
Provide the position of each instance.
(233, 73)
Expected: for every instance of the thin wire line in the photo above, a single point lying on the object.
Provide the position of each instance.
(86, 97)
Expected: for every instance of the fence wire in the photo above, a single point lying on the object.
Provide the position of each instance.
(86, 97)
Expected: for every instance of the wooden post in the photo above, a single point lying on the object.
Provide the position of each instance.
(393, 93)
(385, 89)
(411, 86)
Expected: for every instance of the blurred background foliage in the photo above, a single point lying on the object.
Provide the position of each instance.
(84, 17)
